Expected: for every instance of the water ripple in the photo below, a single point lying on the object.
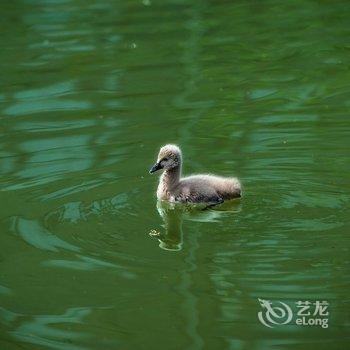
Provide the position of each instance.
(33, 233)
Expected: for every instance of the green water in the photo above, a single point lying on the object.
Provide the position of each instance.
(90, 90)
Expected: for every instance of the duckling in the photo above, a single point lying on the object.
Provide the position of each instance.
(192, 189)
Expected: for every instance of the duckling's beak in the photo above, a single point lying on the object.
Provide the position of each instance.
(155, 167)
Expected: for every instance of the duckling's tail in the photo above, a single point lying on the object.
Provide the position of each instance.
(232, 189)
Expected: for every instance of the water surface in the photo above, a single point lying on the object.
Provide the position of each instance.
(90, 90)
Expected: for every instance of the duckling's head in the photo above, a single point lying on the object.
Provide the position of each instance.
(169, 157)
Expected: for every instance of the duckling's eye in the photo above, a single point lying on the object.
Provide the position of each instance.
(165, 159)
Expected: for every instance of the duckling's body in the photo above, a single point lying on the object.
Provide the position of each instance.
(191, 189)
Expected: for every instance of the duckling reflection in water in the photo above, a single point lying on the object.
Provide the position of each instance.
(171, 239)
(173, 216)
(208, 189)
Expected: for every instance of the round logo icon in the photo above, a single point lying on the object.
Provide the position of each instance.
(274, 314)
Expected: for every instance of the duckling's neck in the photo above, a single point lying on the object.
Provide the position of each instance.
(171, 178)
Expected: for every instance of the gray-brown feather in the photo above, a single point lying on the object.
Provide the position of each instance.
(207, 188)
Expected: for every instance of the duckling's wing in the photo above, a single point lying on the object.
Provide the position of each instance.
(210, 198)
(198, 194)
